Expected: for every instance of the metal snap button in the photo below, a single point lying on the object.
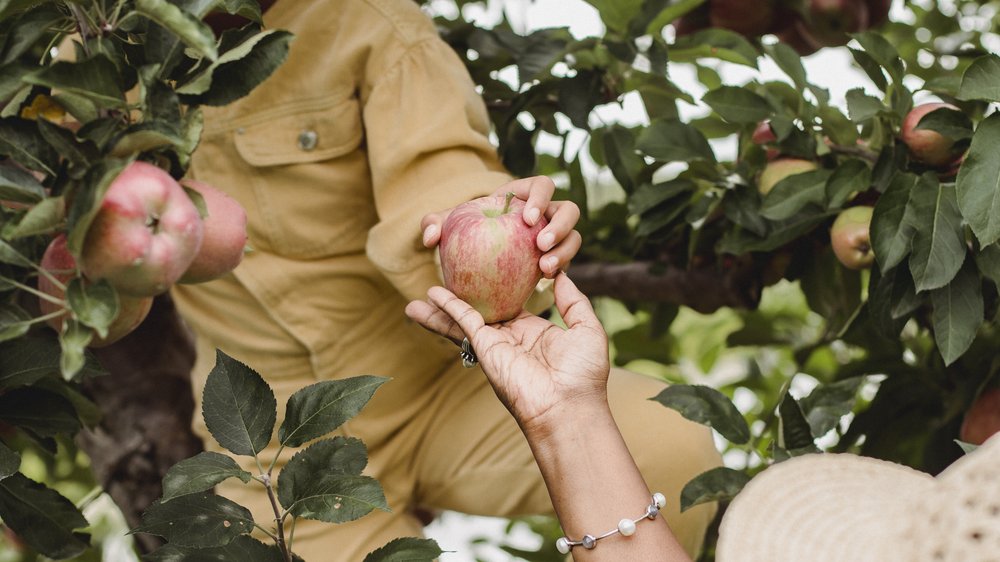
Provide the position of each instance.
(308, 139)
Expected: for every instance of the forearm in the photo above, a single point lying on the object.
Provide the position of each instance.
(594, 483)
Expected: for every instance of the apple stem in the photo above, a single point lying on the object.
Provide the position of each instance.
(50, 276)
(47, 317)
(39, 294)
(506, 202)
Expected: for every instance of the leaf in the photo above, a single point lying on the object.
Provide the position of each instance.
(894, 221)
(88, 201)
(238, 406)
(201, 82)
(233, 80)
(738, 104)
(619, 150)
(45, 413)
(94, 304)
(715, 43)
(617, 13)
(794, 193)
(831, 290)
(742, 206)
(144, 137)
(42, 517)
(978, 186)
(789, 62)
(200, 473)
(739, 242)
(95, 78)
(197, 520)
(19, 186)
(706, 406)
(20, 139)
(828, 403)
(671, 13)
(852, 176)
(242, 549)
(337, 456)
(73, 342)
(794, 432)
(14, 321)
(338, 498)
(43, 218)
(406, 549)
(648, 196)
(189, 29)
(862, 107)
(322, 407)
(988, 262)
(10, 461)
(939, 242)
(981, 80)
(30, 359)
(958, 313)
(720, 483)
(674, 141)
(948, 122)
(882, 52)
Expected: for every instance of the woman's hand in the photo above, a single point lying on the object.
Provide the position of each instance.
(557, 240)
(536, 367)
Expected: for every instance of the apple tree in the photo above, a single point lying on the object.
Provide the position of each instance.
(829, 265)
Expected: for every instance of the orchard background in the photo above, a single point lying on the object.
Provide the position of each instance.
(700, 276)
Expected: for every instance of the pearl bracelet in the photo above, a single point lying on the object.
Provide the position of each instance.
(626, 527)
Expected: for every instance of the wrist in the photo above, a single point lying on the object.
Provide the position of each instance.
(569, 422)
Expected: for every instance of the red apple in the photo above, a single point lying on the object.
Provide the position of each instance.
(58, 261)
(489, 255)
(779, 169)
(145, 235)
(927, 146)
(751, 19)
(225, 235)
(982, 419)
(850, 237)
(830, 21)
(763, 134)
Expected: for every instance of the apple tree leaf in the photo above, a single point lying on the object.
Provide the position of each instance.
(42, 218)
(707, 406)
(30, 359)
(243, 548)
(45, 413)
(862, 107)
(893, 220)
(322, 407)
(853, 176)
(197, 520)
(721, 44)
(14, 321)
(234, 79)
(738, 105)
(42, 517)
(189, 29)
(616, 14)
(978, 184)
(828, 403)
(338, 498)
(958, 313)
(73, 342)
(239, 407)
(10, 461)
(19, 186)
(340, 455)
(938, 240)
(794, 193)
(94, 304)
(96, 79)
(406, 549)
(981, 80)
(670, 140)
(200, 473)
(720, 483)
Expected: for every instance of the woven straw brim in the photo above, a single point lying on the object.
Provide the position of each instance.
(822, 508)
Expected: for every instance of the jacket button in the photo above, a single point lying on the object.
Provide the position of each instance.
(308, 139)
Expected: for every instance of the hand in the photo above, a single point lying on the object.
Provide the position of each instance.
(536, 367)
(557, 240)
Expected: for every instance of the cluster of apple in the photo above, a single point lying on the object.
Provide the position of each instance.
(147, 235)
(849, 235)
(806, 25)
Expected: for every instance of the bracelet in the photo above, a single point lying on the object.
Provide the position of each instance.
(626, 527)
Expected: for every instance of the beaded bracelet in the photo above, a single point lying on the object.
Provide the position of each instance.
(626, 527)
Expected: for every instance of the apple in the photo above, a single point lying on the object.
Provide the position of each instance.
(224, 238)
(58, 261)
(779, 169)
(850, 237)
(830, 21)
(145, 235)
(982, 419)
(927, 146)
(878, 12)
(763, 134)
(489, 256)
(751, 19)
(798, 37)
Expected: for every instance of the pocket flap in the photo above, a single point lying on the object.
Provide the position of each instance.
(301, 134)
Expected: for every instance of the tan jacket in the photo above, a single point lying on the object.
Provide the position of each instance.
(371, 123)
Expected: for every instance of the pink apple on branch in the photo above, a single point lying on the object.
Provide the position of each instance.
(851, 239)
(224, 238)
(489, 255)
(145, 235)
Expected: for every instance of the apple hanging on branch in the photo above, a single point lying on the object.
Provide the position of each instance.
(489, 255)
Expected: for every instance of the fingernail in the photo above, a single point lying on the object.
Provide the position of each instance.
(532, 215)
(550, 263)
(429, 233)
(546, 240)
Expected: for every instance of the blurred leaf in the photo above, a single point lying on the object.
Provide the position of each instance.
(322, 407)
(738, 104)
(619, 151)
(20, 139)
(742, 206)
(189, 29)
(30, 359)
(887, 291)
(882, 52)
(42, 517)
(794, 432)
(939, 240)
(145, 137)
(10, 461)
(981, 80)
(862, 107)
(720, 483)
(94, 304)
(95, 78)
(978, 186)
(871, 68)
(649, 196)
(200, 473)
(894, 221)
(345, 456)
(706, 406)
(43, 218)
(948, 122)
(789, 62)
(73, 341)
(988, 261)
(831, 290)
(850, 178)
(715, 43)
(781, 233)
(196, 521)
(45, 413)
(406, 549)
(242, 549)
(616, 14)
(828, 403)
(638, 342)
(238, 406)
(19, 186)
(794, 193)
(671, 13)
(14, 321)
(674, 141)
(958, 313)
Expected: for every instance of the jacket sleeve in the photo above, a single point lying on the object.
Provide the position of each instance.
(427, 134)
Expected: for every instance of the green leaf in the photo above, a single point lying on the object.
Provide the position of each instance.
(828, 403)
(648, 196)
(197, 520)
(200, 473)
(706, 406)
(981, 80)
(619, 150)
(871, 68)
(883, 53)
(43, 218)
(852, 176)
(144, 137)
(10, 461)
(794, 193)
(73, 342)
(862, 107)
(189, 29)
(790, 62)
(939, 241)
(19, 186)
(831, 290)
(894, 222)
(339, 498)
(95, 78)
(28, 360)
(947, 122)
(739, 242)
(616, 14)
(238, 406)
(958, 313)
(233, 80)
(406, 549)
(42, 517)
(988, 261)
(322, 407)
(10, 254)
(337, 456)
(795, 432)
(94, 304)
(720, 483)
(720, 44)
(674, 141)
(20, 139)
(242, 549)
(202, 81)
(14, 321)
(738, 104)
(45, 413)
(742, 206)
(978, 186)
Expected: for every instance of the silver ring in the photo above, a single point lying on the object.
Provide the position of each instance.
(468, 354)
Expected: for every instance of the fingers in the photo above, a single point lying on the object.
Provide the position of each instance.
(435, 320)
(558, 259)
(573, 305)
(536, 192)
(430, 226)
(467, 318)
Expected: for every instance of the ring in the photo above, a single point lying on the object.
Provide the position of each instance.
(468, 355)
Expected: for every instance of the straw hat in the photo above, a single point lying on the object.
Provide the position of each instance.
(848, 508)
